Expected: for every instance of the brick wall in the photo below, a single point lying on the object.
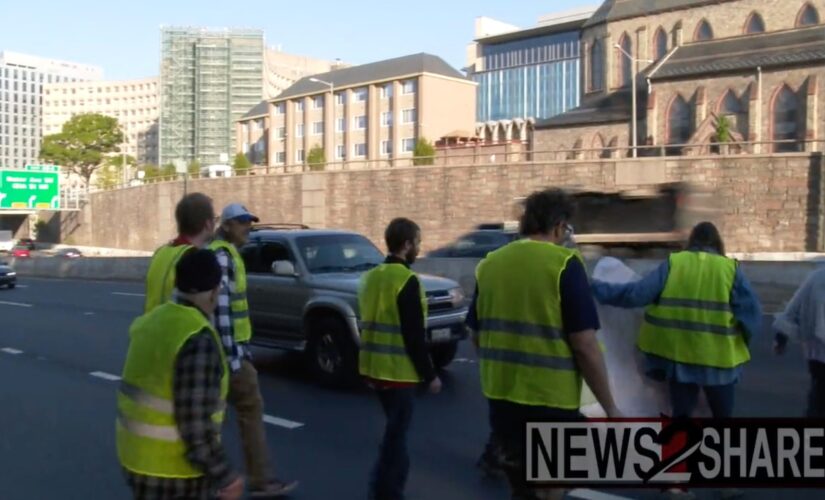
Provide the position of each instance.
(557, 143)
(765, 203)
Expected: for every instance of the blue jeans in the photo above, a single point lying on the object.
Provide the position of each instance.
(685, 397)
(389, 475)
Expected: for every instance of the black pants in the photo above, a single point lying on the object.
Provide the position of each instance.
(389, 475)
(816, 394)
(509, 422)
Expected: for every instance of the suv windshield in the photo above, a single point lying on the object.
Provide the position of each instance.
(334, 253)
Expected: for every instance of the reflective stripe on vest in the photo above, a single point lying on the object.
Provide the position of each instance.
(160, 279)
(524, 357)
(239, 304)
(692, 322)
(382, 355)
(148, 441)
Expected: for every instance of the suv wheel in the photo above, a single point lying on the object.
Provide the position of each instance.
(443, 354)
(332, 353)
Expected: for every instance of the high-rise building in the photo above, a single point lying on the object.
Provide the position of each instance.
(527, 73)
(22, 79)
(133, 102)
(208, 80)
(281, 70)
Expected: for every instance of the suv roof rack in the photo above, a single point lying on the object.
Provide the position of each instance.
(278, 225)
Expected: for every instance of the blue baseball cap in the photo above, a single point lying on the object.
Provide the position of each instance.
(236, 211)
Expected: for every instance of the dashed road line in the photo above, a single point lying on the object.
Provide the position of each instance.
(11, 350)
(282, 422)
(21, 286)
(129, 294)
(105, 376)
(585, 494)
(15, 304)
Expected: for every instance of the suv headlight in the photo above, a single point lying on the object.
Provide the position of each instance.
(457, 296)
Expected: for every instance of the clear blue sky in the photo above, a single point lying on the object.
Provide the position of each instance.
(123, 36)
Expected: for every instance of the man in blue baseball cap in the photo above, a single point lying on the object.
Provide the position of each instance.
(235, 329)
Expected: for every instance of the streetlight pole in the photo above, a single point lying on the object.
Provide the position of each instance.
(634, 68)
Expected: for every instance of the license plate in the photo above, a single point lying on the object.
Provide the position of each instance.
(440, 334)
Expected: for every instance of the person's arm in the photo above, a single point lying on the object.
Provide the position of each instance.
(472, 318)
(745, 306)
(414, 331)
(223, 311)
(197, 395)
(635, 294)
(580, 322)
(786, 324)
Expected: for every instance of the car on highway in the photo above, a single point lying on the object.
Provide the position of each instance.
(477, 244)
(69, 253)
(303, 295)
(27, 242)
(8, 277)
(19, 252)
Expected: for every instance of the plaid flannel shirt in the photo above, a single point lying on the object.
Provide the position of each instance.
(235, 352)
(197, 395)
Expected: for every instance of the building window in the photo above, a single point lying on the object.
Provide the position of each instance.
(359, 122)
(317, 128)
(755, 24)
(597, 66)
(679, 123)
(340, 124)
(299, 130)
(624, 63)
(386, 119)
(808, 16)
(704, 31)
(408, 145)
(339, 151)
(280, 157)
(386, 91)
(408, 116)
(786, 121)
(408, 87)
(386, 148)
(659, 44)
(359, 150)
(731, 107)
(318, 102)
(299, 156)
(340, 98)
(280, 108)
(359, 95)
(299, 106)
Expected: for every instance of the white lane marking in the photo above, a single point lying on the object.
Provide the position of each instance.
(129, 294)
(88, 314)
(585, 494)
(463, 360)
(22, 286)
(105, 376)
(11, 350)
(15, 304)
(282, 422)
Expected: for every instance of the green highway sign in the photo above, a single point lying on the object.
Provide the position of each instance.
(34, 188)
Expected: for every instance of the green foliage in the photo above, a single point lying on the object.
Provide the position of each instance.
(83, 144)
(168, 170)
(194, 168)
(241, 164)
(316, 159)
(110, 173)
(153, 172)
(723, 129)
(424, 153)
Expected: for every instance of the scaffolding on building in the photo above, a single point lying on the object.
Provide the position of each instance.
(209, 79)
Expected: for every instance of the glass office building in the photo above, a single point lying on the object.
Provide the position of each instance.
(527, 74)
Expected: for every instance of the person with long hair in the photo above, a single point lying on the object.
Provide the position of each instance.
(701, 314)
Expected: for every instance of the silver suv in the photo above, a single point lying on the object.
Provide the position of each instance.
(302, 292)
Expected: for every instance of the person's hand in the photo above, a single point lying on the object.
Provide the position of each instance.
(234, 491)
(614, 413)
(435, 386)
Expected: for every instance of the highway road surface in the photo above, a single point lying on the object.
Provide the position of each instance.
(62, 345)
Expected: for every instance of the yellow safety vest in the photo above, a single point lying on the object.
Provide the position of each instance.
(160, 280)
(692, 321)
(382, 355)
(241, 324)
(524, 355)
(148, 441)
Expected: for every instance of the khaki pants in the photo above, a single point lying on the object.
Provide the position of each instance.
(245, 396)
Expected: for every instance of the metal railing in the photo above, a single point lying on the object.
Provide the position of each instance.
(452, 157)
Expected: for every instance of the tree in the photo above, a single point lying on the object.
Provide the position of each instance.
(110, 174)
(723, 129)
(83, 144)
(194, 168)
(316, 159)
(424, 153)
(168, 170)
(241, 164)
